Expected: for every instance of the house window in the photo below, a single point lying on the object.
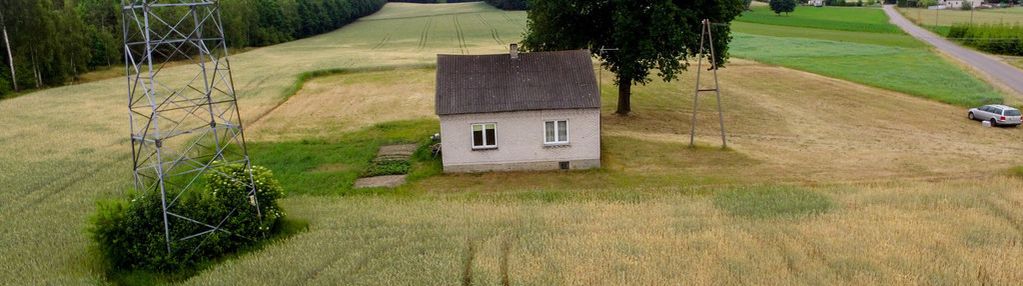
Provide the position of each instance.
(484, 136)
(555, 132)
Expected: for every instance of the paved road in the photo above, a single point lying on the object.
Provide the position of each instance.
(1004, 73)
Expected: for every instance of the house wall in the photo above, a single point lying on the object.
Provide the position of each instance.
(520, 141)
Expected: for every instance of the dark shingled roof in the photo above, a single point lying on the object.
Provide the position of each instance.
(497, 83)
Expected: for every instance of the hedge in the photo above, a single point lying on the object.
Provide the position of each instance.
(1002, 39)
(131, 235)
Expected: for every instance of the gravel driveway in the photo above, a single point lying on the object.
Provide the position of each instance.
(1007, 75)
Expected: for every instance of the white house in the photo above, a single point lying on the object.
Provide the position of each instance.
(958, 4)
(529, 111)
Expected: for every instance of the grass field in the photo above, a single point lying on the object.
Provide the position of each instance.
(869, 195)
(860, 46)
(950, 17)
(829, 18)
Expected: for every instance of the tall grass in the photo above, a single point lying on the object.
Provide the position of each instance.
(995, 39)
(903, 233)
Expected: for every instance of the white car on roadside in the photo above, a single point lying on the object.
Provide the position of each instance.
(996, 114)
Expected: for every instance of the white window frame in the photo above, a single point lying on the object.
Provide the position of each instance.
(485, 146)
(557, 140)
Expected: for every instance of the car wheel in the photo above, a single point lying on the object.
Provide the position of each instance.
(994, 123)
(971, 116)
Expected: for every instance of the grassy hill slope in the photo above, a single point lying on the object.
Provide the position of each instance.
(860, 192)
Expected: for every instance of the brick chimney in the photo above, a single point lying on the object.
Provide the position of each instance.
(514, 51)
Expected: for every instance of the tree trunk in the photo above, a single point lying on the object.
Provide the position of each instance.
(10, 58)
(624, 96)
(35, 68)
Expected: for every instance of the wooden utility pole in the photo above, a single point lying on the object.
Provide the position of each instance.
(10, 58)
(706, 36)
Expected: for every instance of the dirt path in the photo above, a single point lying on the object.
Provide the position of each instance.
(992, 68)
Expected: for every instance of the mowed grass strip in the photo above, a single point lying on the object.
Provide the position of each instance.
(830, 18)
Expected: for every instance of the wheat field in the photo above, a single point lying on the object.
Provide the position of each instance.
(892, 198)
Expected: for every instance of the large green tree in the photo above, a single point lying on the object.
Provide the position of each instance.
(783, 6)
(645, 35)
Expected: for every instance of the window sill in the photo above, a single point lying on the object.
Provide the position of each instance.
(484, 148)
(557, 145)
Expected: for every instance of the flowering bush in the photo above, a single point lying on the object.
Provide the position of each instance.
(131, 234)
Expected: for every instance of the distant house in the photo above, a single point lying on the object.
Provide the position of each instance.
(957, 4)
(528, 111)
(816, 3)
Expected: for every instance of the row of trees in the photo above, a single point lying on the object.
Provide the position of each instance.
(501, 4)
(53, 41)
(509, 4)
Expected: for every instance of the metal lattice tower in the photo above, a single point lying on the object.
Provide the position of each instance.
(706, 37)
(183, 110)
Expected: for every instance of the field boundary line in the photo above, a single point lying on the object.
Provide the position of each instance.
(424, 16)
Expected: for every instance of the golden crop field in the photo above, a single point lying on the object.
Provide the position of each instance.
(826, 181)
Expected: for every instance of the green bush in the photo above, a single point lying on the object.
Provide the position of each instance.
(131, 234)
(1002, 39)
(387, 167)
(783, 6)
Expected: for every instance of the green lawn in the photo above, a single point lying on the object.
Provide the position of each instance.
(829, 18)
(859, 45)
(913, 71)
(884, 39)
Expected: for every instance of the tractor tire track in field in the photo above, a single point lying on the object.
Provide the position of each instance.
(493, 31)
(508, 18)
(424, 36)
(461, 37)
(54, 187)
(383, 42)
(358, 267)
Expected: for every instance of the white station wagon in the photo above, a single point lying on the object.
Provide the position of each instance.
(996, 114)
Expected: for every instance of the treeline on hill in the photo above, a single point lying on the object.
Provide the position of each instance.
(500, 4)
(54, 41)
(999, 39)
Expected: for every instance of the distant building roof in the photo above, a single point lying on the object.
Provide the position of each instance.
(498, 83)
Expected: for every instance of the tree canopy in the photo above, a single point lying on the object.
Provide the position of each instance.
(648, 35)
(784, 6)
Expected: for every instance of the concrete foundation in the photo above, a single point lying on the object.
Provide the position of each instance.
(523, 166)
